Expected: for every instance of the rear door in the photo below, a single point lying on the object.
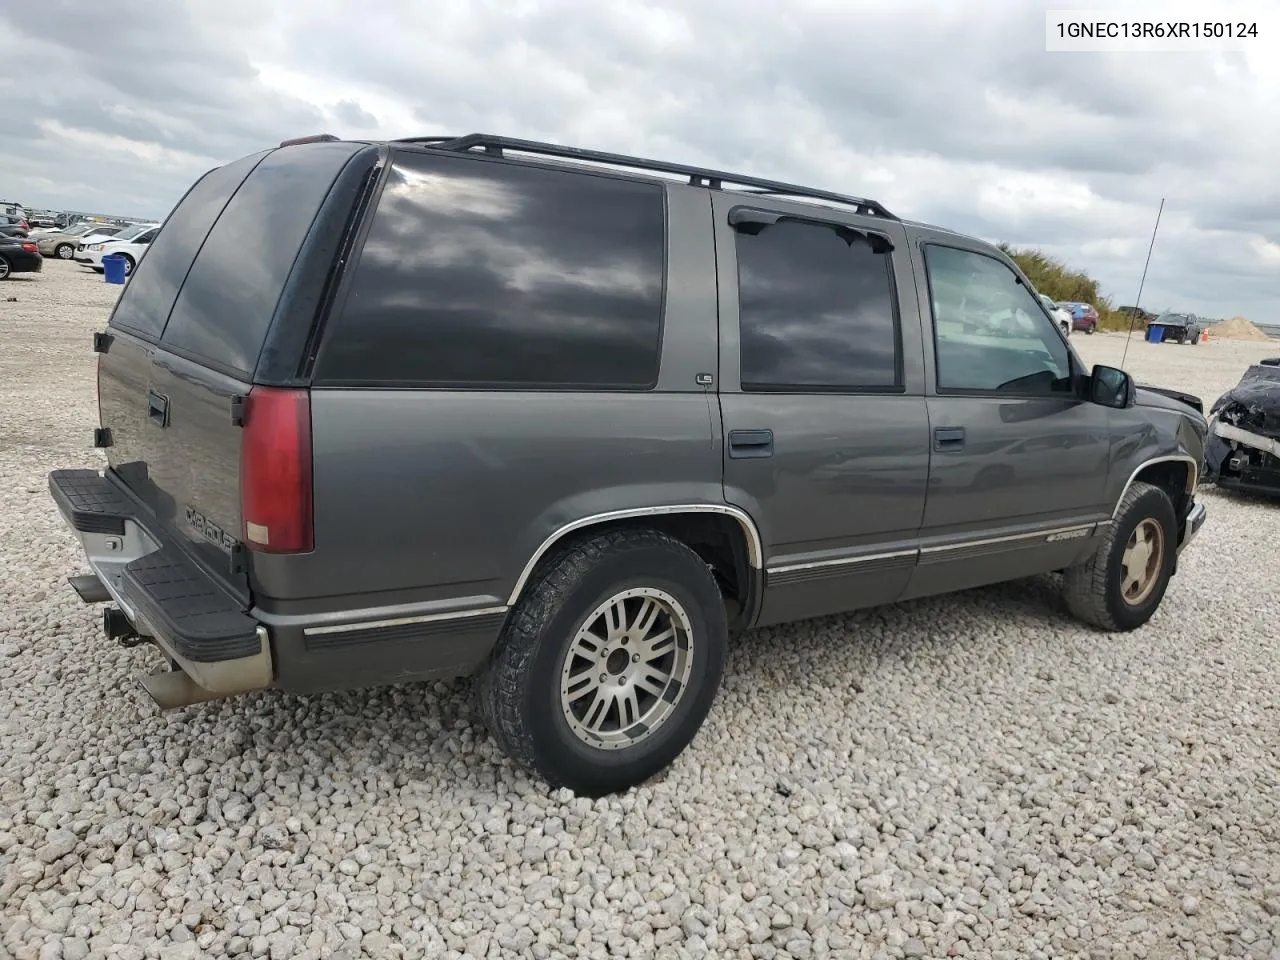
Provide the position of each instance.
(189, 330)
(821, 394)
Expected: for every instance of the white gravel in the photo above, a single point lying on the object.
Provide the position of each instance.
(965, 776)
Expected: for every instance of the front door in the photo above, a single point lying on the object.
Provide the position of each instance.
(1018, 463)
(826, 439)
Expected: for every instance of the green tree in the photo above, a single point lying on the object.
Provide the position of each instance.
(1058, 281)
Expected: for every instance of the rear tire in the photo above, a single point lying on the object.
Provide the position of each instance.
(1108, 590)
(5, 269)
(64, 251)
(565, 668)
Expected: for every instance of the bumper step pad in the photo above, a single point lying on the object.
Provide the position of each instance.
(176, 597)
(90, 502)
(166, 588)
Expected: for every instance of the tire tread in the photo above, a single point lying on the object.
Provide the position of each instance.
(1086, 584)
(503, 683)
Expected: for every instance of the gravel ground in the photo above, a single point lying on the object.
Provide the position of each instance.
(973, 775)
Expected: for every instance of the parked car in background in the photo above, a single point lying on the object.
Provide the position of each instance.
(62, 243)
(131, 249)
(594, 423)
(18, 255)
(103, 234)
(1084, 316)
(14, 209)
(1060, 316)
(41, 218)
(1179, 327)
(13, 226)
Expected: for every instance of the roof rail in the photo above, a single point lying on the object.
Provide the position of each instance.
(698, 176)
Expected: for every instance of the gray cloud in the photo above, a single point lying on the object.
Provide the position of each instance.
(353, 115)
(953, 114)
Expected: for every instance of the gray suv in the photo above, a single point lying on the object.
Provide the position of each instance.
(382, 412)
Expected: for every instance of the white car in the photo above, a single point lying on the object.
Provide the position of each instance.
(1061, 317)
(129, 242)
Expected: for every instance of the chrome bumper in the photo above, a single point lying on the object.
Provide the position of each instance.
(1195, 520)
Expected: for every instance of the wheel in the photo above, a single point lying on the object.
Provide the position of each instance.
(64, 251)
(1120, 586)
(1089, 330)
(128, 264)
(4, 269)
(609, 663)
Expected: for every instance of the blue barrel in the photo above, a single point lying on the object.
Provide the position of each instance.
(1155, 333)
(113, 268)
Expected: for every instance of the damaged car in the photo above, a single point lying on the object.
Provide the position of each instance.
(1243, 449)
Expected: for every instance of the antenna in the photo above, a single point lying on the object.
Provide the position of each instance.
(1137, 304)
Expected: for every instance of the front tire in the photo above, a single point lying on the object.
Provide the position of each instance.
(64, 251)
(1120, 586)
(128, 264)
(609, 663)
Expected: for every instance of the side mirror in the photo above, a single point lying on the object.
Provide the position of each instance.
(1111, 387)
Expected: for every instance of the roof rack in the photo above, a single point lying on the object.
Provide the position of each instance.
(698, 176)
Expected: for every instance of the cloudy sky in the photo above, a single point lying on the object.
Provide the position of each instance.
(947, 112)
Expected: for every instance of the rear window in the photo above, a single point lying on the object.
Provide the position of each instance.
(222, 313)
(148, 297)
(489, 274)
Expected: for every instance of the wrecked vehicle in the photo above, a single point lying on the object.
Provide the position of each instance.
(1243, 450)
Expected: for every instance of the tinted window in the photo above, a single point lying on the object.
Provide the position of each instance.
(816, 309)
(148, 297)
(222, 314)
(990, 333)
(486, 273)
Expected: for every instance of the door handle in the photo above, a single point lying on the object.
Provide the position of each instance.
(750, 444)
(948, 438)
(157, 408)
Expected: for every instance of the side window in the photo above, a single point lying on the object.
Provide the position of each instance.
(990, 334)
(487, 273)
(146, 237)
(816, 310)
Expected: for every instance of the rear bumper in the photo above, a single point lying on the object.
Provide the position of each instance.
(165, 594)
(27, 263)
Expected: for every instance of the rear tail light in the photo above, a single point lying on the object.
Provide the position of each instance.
(30, 247)
(275, 471)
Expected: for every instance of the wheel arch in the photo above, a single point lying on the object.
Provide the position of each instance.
(1177, 474)
(724, 536)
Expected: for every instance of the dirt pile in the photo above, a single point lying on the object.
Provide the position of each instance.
(1237, 328)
